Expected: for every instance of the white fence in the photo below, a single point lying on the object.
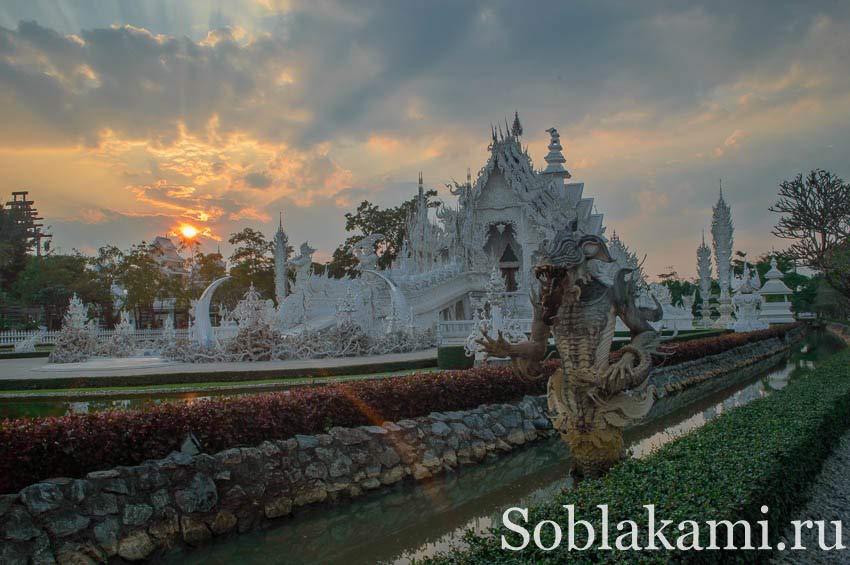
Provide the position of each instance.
(456, 331)
(49, 337)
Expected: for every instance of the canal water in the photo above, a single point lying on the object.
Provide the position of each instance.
(418, 520)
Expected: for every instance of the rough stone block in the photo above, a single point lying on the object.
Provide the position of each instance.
(66, 524)
(137, 514)
(42, 497)
(136, 546)
(278, 507)
(19, 526)
(200, 496)
(223, 523)
(194, 531)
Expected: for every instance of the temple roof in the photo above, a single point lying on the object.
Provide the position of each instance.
(543, 194)
(773, 283)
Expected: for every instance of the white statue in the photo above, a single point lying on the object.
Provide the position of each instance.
(746, 303)
(77, 340)
(123, 341)
(303, 264)
(28, 345)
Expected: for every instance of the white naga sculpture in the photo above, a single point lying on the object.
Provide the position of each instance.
(704, 272)
(721, 231)
(29, 344)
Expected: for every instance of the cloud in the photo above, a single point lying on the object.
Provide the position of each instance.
(223, 114)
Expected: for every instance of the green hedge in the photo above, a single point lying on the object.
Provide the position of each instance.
(766, 452)
(453, 357)
(217, 376)
(27, 355)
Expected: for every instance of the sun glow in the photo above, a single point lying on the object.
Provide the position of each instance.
(188, 231)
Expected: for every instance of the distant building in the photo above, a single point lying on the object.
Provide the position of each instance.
(166, 254)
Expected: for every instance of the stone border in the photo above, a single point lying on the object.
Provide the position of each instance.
(136, 513)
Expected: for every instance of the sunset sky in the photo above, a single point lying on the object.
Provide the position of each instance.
(127, 119)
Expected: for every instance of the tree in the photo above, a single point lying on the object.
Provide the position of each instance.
(738, 261)
(252, 261)
(50, 282)
(208, 267)
(142, 279)
(676, 285)
(816, 217)
(370, 218)
(252, 254)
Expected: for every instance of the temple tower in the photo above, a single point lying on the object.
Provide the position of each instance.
(704, 272)
(281, 257)
(721, 232)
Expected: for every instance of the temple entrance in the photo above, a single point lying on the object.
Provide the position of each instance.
(502, 246)
(509, 265)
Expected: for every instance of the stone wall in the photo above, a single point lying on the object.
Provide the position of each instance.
(136, 513)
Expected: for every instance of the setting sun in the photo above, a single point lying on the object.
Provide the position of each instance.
(188, 231)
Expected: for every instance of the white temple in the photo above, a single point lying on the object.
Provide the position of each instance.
(775, 305)
(499, 224)
(721, 231)
(501, 220)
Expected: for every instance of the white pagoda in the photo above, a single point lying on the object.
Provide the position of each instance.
(721, 231)
(776, 305)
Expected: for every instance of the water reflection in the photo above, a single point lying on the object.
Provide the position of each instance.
(414, 521)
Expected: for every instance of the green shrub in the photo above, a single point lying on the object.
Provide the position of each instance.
(764, 453)
(453, 357)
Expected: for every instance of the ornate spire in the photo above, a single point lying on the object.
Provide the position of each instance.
(516, 129)
(281, 259)
(555, 158)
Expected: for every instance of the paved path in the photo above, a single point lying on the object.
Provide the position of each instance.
(39, 369)
(830, 500)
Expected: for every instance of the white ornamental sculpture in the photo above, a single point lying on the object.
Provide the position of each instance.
(746, 302)
(775, 295)
(721, 232)
(123, 342)
(29, 344)
(499, 321)
(77, 340)
(704, 272)
(303, 264)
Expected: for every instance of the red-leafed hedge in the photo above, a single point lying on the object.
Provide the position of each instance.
(71, 446)
(675, 353)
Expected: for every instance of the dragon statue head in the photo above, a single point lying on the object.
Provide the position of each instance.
(564, 271)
